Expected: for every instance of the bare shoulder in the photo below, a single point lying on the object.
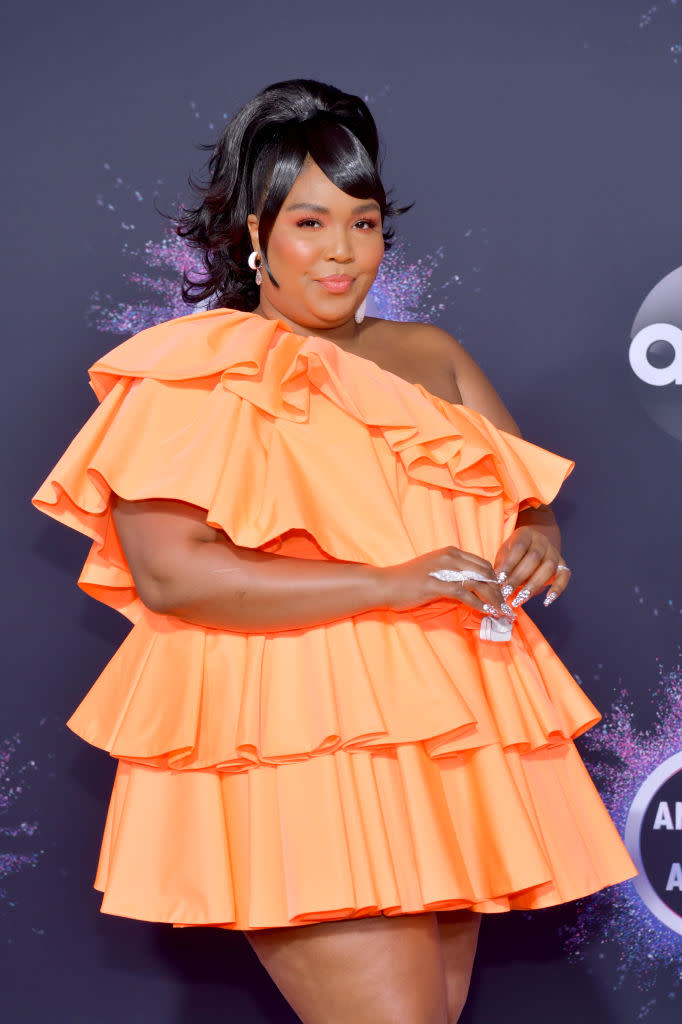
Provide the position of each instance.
(435, 341)
(438, 349)
(407, 332)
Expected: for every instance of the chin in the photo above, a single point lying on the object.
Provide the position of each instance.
(329, 317)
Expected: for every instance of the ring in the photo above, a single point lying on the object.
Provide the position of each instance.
(458, 576)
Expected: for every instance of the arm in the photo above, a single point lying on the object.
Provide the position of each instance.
(531, 554)
(478, 393)
(184, 567)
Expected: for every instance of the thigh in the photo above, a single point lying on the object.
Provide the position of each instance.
(371, 969)
(458, 931)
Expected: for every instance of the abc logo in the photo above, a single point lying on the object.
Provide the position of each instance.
(653, 836)
(655, 354)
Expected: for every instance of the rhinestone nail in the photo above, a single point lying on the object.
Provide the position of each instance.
(507, 610)
(550, 597)
(501, 576)
(507, 589)
(522, 596)
(490, 609)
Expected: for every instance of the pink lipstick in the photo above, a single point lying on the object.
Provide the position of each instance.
(336, 283)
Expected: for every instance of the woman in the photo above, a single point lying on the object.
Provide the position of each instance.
(337, 730)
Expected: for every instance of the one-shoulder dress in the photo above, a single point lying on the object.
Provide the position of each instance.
(385, 763)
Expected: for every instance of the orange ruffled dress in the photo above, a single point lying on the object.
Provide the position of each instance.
(385, 763)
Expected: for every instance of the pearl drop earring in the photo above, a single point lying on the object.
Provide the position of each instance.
(360, 311)
(255, 266)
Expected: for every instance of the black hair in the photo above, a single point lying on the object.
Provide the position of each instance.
(253, 166)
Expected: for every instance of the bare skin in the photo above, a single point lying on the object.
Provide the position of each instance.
(412, 968)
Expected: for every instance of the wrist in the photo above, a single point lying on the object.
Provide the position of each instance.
(382, 584)
(544, 521)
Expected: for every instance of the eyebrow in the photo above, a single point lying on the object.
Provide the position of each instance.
(363, 208)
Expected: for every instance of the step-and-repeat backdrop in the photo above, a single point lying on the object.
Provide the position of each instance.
(541, 144)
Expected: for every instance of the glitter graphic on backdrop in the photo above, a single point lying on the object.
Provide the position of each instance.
(648, 16)
(654, 12)
(620, 757)
(404, 289)
(12, 787)
(162, 300)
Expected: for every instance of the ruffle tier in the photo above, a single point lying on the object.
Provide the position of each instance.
(346, 835)
(287, 777)
(184, 697)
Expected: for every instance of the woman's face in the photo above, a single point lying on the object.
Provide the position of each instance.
(324, 251)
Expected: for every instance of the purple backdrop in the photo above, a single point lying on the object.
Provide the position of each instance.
(541, 143)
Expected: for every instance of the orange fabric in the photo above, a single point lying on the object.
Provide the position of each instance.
(385, 763)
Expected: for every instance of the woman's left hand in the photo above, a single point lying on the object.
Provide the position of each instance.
(529, 560)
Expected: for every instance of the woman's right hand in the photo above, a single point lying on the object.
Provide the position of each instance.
(408, 584)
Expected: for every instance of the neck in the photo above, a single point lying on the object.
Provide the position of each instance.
(346, 335)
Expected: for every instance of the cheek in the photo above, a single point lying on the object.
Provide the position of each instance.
(373, 252)
(293, 252)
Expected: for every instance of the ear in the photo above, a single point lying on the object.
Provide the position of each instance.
(252, 224)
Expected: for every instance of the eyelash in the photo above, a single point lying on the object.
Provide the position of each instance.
(311, 220)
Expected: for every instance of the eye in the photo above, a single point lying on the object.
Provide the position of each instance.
(369, 222)
(305, 223)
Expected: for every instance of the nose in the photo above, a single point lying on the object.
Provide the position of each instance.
(340, 246)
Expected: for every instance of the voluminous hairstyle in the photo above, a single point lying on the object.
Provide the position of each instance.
(253, 166)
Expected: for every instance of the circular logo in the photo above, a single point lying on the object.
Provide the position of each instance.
(655, 354)
(653, 836)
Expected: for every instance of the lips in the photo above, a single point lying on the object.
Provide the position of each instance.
(336, 282)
